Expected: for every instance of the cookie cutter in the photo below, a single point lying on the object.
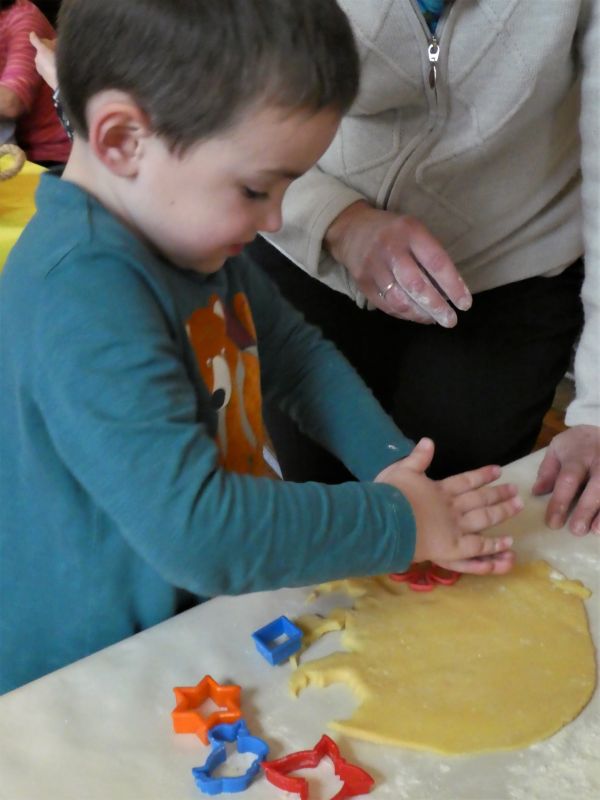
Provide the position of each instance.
(187, 717)
(267, 644)
(245, 743)
(356, 781)
(425, 576)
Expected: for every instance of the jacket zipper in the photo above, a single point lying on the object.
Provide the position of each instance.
(433, 44)
(433, 54)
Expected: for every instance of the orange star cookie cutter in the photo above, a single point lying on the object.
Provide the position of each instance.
(356, 781)
(187, 717)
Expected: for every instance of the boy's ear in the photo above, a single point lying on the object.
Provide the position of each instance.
(118, 129)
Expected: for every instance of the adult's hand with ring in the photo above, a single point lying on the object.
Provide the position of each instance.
(374, 244)
(382, 292)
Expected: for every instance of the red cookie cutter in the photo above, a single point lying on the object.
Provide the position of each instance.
(356, 780)
(425, 576)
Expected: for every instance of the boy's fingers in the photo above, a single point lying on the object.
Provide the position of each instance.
(421, 456)
(488, 516)
(467, 481)
(497, 564)
(474, 545)
(486, 496)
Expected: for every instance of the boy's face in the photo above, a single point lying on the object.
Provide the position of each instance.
(203, 207)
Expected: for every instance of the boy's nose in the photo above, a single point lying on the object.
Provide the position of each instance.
(272, 220)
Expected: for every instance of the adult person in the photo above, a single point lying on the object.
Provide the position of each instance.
(25, 99)
(446, 229)
(49, 9)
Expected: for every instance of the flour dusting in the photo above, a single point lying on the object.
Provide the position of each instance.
(565, 766)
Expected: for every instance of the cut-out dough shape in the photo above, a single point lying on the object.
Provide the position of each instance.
(492, 663)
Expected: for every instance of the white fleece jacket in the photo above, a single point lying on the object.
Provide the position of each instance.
(491, 159)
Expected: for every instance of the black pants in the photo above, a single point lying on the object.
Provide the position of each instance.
(479, 390)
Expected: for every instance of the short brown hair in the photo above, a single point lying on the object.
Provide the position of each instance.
(194, 66)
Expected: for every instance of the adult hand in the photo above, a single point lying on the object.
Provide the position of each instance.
(450, 514)
(45, 61)
(571, 471)
(398, 265)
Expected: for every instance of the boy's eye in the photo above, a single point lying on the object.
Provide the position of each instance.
(251, 194)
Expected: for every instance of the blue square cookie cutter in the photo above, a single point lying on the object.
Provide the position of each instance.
(267, 644)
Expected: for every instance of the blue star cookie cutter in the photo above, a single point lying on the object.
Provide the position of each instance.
(278, 640)
(218, 736)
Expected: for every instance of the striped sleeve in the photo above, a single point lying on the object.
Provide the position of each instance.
(19, 73)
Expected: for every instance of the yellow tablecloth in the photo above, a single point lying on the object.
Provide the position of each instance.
(17, 206)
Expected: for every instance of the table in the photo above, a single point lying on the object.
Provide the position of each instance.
(17, 205)
(100, 729)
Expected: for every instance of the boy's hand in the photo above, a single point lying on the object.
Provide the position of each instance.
(450, 514)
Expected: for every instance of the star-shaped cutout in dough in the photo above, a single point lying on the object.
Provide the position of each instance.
(356, 781)
(187, 717)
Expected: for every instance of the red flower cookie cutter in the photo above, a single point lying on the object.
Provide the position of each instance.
(425, 576)
(356, 780)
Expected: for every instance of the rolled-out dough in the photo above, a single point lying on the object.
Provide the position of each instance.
(491, 663)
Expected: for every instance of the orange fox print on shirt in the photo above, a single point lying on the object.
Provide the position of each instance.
(224, 340)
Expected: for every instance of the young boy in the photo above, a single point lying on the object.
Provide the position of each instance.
(132, 326)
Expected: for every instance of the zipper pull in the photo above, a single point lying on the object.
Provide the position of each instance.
(433, 54)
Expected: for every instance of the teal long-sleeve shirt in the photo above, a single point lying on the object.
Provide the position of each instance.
(113, 496)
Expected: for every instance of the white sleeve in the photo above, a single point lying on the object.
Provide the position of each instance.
(310, 205)
(585, 409)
